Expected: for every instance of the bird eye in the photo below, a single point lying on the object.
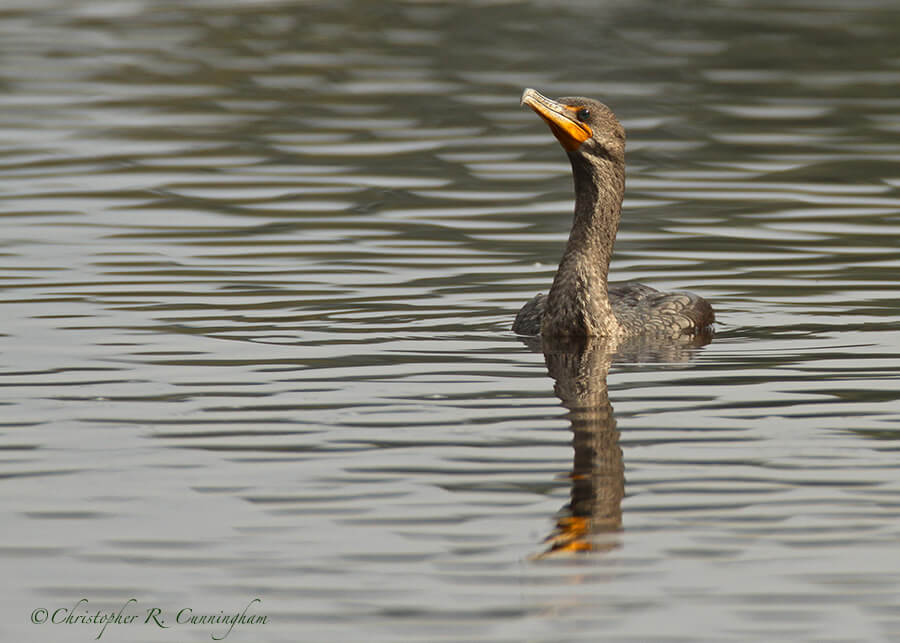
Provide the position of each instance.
(583, 114)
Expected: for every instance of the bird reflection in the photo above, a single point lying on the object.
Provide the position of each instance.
(579, 368)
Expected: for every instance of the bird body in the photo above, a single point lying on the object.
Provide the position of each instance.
(638, 310)
(581, 302)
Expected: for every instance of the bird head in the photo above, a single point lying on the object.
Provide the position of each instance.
(583, 126)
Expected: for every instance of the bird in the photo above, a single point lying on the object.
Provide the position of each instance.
(581, 303)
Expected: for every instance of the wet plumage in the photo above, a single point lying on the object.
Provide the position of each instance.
(581, 302)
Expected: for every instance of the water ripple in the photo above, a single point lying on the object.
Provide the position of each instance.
(260, 263)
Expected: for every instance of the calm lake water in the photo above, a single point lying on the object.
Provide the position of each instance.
(260, 260)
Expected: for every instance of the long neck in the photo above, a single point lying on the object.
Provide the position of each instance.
(578, 303)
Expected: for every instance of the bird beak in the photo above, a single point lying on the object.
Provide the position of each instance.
(567, 129)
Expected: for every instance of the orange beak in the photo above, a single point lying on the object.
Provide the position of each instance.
(569, 131)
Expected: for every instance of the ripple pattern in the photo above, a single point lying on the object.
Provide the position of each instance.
(259, 264)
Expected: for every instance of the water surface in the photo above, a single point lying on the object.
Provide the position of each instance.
(259, 265)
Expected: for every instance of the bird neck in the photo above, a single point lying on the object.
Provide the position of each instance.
(578, 302)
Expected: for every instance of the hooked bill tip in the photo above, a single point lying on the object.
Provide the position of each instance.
(526, 95)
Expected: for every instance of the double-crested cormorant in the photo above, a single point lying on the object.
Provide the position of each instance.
(580, 302)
